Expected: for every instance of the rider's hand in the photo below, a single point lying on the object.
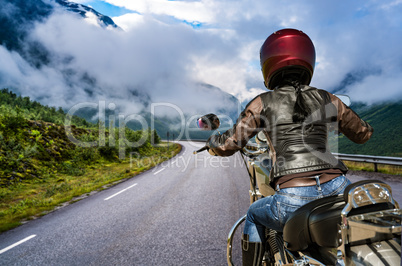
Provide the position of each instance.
(211, 151)
(210, 145)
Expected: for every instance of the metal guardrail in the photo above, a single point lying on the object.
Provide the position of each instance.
(352, 157)
(356, 158)
(370, 159)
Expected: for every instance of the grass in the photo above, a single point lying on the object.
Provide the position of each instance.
(28, 200)
(369, 167)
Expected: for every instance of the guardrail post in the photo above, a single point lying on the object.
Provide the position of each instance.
(167, 135)
(375, 167)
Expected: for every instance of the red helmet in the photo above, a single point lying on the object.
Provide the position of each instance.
(287, 51)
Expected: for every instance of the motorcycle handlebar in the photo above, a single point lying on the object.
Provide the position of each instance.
(253, 153)
(245, 151)
(200, 150)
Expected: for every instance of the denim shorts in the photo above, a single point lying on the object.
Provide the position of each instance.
(273, 211)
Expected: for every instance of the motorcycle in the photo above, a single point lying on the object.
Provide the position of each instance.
(360, 227)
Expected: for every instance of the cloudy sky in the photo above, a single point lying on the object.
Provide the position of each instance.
(359, 39)
(165, 47)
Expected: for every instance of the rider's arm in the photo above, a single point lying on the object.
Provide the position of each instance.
(237, 137)
(350, 124)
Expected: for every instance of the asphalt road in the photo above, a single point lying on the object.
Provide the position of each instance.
(179, 213)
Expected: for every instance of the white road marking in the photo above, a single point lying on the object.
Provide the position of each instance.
(159, 171)
(16, 244)
(108, 198)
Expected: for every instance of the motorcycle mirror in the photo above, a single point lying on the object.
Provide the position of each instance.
(344, 98)
(208, 122)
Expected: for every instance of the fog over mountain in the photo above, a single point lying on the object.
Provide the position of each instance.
(63, 54)
(357, 42)
(174, 52)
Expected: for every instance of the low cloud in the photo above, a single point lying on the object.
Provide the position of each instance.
(150, 63)
(350, 37)
(159, 56)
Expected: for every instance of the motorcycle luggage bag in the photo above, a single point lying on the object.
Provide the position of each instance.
(316, 222)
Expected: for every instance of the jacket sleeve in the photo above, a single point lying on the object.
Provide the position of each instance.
(246, 127)
(350, 124)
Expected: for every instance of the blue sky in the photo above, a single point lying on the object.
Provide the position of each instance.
(106, 8)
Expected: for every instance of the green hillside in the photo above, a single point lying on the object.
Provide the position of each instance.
(41, 167)
(386, 119)
(13, 105)
(34, 143)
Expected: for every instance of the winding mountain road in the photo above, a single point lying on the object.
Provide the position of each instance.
(178, 213)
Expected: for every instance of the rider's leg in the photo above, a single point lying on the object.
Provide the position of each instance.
(261, 214)
(273, 211)
(253, 237)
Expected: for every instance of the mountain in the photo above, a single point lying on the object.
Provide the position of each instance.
(18, 17)
(88, 13)
(386, 119)
(228, 111)
(79, 84)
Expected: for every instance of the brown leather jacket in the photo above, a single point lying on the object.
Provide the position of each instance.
(294, 147)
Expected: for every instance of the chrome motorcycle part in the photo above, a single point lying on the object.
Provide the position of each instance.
(261, 137)
(230, 240)
(387, 254)
(374, 226)
(339, 259)
(367, 193)
(301, 262)
(371, 225)
(275, 248)
(373, 237)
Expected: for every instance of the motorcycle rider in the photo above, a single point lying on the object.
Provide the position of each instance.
(296, 119)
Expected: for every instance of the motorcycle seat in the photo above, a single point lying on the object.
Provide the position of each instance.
(316, 222)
